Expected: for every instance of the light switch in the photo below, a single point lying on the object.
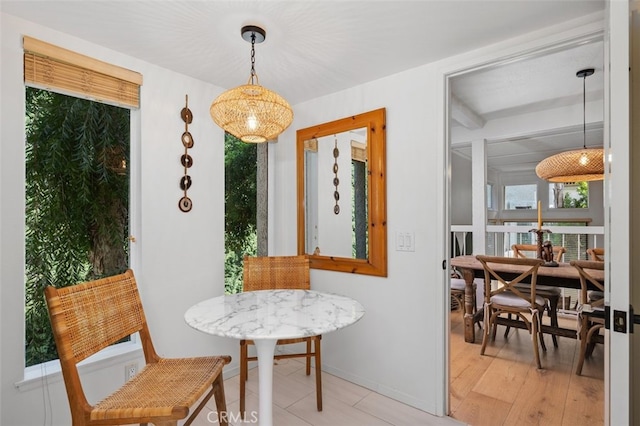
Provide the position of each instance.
(408, 241)
(399, 241)
(404, 241)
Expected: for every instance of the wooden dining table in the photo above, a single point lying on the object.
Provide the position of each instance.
(564, 276)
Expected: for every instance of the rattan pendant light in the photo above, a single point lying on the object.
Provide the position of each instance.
(582, 165)
(251, 112)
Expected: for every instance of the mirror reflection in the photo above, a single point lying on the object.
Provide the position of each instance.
(336, 194)
(342, 195)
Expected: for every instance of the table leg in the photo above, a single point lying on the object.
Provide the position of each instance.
(266, 349)
(469, 329)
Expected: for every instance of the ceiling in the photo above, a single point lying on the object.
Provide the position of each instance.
(314, 48)
(531, 85)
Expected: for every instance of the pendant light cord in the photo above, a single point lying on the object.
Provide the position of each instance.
(253, 57)
(584, 112)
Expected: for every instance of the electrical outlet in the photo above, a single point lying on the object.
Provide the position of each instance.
(130, 370)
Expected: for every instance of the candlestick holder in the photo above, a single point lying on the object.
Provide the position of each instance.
(544, 249)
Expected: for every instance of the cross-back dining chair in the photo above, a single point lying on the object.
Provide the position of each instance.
(596, 254)
(271, 273)
(591, 310)
(88, 317)
(551, 293)
(506, 298)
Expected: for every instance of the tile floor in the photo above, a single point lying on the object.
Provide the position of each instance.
(344, 403)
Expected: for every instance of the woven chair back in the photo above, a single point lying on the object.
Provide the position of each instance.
(508, 279)
(585, 279)
(89, 317)
(276, 272)
(521, 250)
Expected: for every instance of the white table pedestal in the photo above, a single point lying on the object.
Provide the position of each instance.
(266, 349)
(265, 316)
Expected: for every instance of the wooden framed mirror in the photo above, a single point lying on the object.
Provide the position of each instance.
(342, 202)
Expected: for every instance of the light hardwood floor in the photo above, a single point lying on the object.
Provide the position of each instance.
(504, 387)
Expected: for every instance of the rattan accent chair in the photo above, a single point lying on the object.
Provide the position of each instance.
(590, 312)
(551, 293)
(279, 272)
(88, 317)
(506, 298)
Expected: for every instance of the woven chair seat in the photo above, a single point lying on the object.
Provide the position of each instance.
(166, 388)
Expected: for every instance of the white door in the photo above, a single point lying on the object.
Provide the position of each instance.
(618, 214)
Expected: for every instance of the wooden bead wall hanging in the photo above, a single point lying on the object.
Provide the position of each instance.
(185, 204)
(336, 181)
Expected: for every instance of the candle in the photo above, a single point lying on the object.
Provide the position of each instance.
(539, 215)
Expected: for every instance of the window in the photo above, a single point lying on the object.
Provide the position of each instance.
(241, 208)
(520, 197)
(490, 204)
(569, 195)
(77, 177)
(77, 202)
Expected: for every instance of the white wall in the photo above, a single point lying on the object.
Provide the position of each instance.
(178, 257)
(392, 348)
(461, 206)
(397, 347)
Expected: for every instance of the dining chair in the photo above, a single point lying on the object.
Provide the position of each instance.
(551, 293)
(88, 317)
(596, 254)
(506, 298)
(271, 273)
(590, 311)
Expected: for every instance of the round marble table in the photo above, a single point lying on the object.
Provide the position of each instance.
(268, 315)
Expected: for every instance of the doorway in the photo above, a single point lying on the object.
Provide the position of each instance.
(495, 140)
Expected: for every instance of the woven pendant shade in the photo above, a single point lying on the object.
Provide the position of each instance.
(252, 113)
(581, 165)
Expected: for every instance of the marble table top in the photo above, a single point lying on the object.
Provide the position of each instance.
(274, 314)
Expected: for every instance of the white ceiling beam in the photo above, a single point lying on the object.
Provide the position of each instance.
(464, 115)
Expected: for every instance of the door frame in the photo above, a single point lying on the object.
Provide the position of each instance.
(617, 413)
(618, 197)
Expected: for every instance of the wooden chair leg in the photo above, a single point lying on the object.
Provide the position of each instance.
(534, 335)
(583, 345)
(541, 336)
(583, 350)
(221, 401)
(507, 328)
(309, 356)
(318, 361)
(487, 329)
(553, 315)
(244, 367)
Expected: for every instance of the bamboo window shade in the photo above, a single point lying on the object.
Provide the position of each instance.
(60, 70)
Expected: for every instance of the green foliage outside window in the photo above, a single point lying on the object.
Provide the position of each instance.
(240, 208)
(77, 202)
(582, 201)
